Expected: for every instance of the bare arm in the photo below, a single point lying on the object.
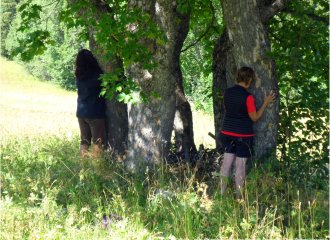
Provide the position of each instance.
(267, 99)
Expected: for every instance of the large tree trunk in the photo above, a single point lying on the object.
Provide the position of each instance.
(151, 124)
(183, 122)
(220, 78)
(250, 42)
(116, 112)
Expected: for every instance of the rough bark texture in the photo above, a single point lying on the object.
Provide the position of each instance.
(151, 124)
(231, 69)
(116, 112)
(183, 123)
(250, 42)
(223, 68)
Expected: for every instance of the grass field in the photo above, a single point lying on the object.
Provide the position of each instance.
(47, 192)
(32, 107)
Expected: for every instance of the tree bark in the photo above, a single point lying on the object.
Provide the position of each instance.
(248, 35)
(223, 68)
(183, 123)
(151, 124)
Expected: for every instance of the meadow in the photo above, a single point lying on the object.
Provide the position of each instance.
(47, 192)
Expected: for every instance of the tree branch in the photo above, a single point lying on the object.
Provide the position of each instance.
(58, 1)
(213, 17)
(269, 11)
(49, 4)
(115, 10)
(215, 29)
(312, 16)
(273, 35)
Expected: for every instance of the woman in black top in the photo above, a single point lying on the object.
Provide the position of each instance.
(90, 106)
(236, 131)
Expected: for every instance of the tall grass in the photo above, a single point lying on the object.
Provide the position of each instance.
(47, 192)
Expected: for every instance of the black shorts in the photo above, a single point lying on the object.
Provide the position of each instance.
(242, 146)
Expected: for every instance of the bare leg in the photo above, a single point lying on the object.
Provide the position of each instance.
(83, 150)
(96, 151)
(240, 175)
(225, 168)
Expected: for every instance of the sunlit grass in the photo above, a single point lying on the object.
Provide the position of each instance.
(31, 107)
(203, 124)
(16, 79)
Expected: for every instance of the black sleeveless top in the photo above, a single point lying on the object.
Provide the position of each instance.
(237, 119)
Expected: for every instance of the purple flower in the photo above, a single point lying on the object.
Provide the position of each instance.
(112, 219)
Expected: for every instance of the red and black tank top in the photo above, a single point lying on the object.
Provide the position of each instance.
(238, 103)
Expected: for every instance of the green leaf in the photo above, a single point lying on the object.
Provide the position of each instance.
(144, 97)
(91, 22)
(127, 99)
(127, 63)
(160, 41)
(103, 91)
(109, 95)
(119, 88)
(51, 42)
(23, 6)
(118, 71)
(104, 83)
(121, 96)
(151, 35)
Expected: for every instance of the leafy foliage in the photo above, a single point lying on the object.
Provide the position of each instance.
(55, 62)
(301, 50)
(206, 25)
(8, 11)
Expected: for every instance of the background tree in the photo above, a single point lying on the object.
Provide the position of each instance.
(8, 12)
(206, 24)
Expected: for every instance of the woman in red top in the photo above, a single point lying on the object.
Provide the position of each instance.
(236, 131)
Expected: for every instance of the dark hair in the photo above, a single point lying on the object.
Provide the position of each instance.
(244, 75)
(86, 65)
